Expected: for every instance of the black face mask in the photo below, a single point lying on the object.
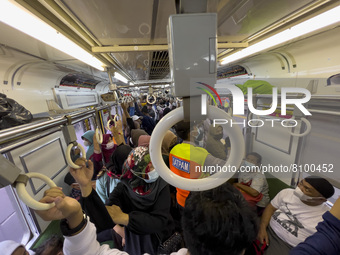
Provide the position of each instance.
(218, 137)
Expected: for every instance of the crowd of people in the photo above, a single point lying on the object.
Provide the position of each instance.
(121, 198)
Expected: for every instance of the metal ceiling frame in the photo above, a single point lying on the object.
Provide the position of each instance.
(159, 47)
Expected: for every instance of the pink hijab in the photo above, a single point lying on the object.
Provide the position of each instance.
(144, 140)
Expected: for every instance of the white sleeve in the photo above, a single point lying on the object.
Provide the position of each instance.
(85, 243)
(277, 200)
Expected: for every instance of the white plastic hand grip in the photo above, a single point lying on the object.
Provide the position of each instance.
(68, 155)
(235, 159)
(99, 136)
(307, 131)
(148, 99)
(27, 199)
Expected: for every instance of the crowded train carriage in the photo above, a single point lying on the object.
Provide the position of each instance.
(169, 127)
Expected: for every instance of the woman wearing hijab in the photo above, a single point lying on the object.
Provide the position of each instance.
(144, 140)
(88, 142)
(141, 203)
(214, 146)
(102, 153)
(135, 134)
(110, 178)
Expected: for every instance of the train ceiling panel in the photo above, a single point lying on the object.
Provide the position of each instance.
(115, 22)
(126, 26)
(238, 20)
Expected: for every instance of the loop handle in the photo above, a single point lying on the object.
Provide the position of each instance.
(27, 199)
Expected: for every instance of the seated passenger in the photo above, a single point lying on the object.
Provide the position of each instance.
(214, 146)
(141, 203)
(252, 183)
(294, 214)
(187, 159)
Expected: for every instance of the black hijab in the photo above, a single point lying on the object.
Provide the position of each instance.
(117, 159)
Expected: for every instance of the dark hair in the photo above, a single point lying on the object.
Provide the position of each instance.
(166, 110)
(55, 243)
(182, 129)
(218, 221)
(145, 109)
(258, 156)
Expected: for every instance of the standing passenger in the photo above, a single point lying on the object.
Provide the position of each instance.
(88, 142)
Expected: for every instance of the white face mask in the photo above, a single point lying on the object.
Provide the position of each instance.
(110, 145)
(303, 197)
(247, 163)
(153, 176)
(86, 143)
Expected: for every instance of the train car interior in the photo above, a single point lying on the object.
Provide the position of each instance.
(69, 64)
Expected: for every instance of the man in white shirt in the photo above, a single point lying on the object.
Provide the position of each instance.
(294, 214)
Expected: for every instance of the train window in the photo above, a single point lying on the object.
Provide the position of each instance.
(11, 217)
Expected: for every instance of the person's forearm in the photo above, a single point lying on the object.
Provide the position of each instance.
(267, 214)
(75, 219)
(249, 190)
(86, 189)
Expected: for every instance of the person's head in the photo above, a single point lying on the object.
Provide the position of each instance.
(314, 190)
(118, 157)
(216, 132)
(166, 111)
(254, 158)
(139, 171)
(108, 147)
(135, 134)
(52, 246)
(169, 141)
(88, 137)
(187, 130)
(144, 140)
(218, 221)
(137, 119)
(145, 110)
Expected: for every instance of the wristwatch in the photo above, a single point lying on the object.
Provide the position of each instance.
(66, 231)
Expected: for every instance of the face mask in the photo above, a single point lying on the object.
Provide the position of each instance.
(153, 176)
(86, 143)
(110, 145)
(303, 197)
(246, 163)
